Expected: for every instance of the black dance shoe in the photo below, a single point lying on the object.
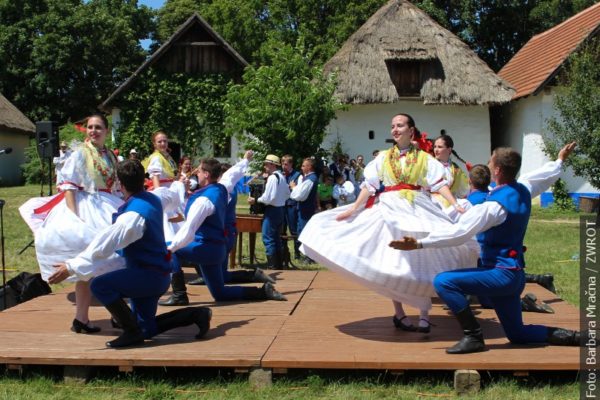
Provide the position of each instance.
(80, 327)
(424, 329)
(401, 325)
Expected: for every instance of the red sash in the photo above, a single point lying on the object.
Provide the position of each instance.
(50, 204)
(401, 186)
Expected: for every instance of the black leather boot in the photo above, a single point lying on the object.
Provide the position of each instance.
(199, 280)
(200, 316)
(563, 337)
(472, 342)
(546, 281)
(278, 261)
(266, 292)
(179, 296)
(247, 276)
(271, 261)
(132, 334)
(529, 303)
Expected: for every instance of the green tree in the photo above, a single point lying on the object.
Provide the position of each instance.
(172, 14)
(577, 103)
(60, 58)
(323, 25)
(189, 108)
(497, 29)
(283, 107)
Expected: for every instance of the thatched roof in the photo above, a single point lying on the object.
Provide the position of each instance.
(11, 119)
(195, 22)
(399, 31)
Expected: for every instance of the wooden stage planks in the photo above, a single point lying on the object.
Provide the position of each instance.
(328, 323)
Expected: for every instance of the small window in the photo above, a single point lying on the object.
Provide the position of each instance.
(407, 76)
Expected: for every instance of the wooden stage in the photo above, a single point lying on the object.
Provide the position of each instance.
(328, 323)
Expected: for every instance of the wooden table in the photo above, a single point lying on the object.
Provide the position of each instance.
(251, 224)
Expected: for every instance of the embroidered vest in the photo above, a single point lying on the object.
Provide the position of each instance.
(502, 245)
(150, 250)
(213, 227)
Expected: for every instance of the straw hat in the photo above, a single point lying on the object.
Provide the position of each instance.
(273, 159)
(132, 151)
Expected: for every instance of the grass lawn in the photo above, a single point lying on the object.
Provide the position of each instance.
(552, 241)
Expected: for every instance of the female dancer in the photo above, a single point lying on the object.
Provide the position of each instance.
(443, 148)
(401, 177)
(83, 208)
(163, 170)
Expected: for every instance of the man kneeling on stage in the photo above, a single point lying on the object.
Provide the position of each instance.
(503, 219)
(137, 234)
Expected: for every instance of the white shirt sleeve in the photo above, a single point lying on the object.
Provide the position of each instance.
(477, 219)
(270, 191)
(128, 228)
(171, 198)
(371, 173)
(540, 179)
(302, 189)
(199, 211)
(154, 166)
(72, 172)
(436, 175)
(232, 176)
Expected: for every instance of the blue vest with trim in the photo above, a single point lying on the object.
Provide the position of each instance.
(502, 245)
(477, 197)
(292, 177)
(213, 227)
(230, 217)
(150, 250)
(308, 207)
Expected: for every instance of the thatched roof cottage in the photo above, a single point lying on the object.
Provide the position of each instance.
(15, 131)
(401, 60)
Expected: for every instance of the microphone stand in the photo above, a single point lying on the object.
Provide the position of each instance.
(2, 202)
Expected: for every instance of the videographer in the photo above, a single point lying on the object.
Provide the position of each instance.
(274, 197)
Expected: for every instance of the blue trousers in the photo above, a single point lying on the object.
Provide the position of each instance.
(502, 286)
(271, 230)
(291, 223)
(209, 257)
(302, 221)
(142, 286)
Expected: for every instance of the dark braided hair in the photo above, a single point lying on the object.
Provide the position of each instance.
(449, 143)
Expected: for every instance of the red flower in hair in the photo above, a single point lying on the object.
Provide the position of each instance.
(424, 144)
(512, 253)
(469, 166)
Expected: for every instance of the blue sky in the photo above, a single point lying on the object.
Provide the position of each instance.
(152, 3)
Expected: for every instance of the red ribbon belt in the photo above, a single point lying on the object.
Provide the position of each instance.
(401, 186)
(49, 205)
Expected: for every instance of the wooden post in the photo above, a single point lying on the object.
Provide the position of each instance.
(260, 377)
(466, 381)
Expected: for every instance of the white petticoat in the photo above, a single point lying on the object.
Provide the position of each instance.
(358, 247)
(63, 235)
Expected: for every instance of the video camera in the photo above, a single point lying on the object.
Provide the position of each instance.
(257, 188)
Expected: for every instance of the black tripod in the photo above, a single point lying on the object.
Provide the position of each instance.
(2, 202)
(48, 161)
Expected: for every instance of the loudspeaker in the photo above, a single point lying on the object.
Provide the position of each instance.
(46, 138)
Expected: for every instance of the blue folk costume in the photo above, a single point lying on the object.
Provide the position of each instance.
(502, 278)
(290, 217)
(307, 208)
(146, 276)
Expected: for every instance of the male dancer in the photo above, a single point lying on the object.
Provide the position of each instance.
(202, 241)
(137, 232)
(503, 219)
